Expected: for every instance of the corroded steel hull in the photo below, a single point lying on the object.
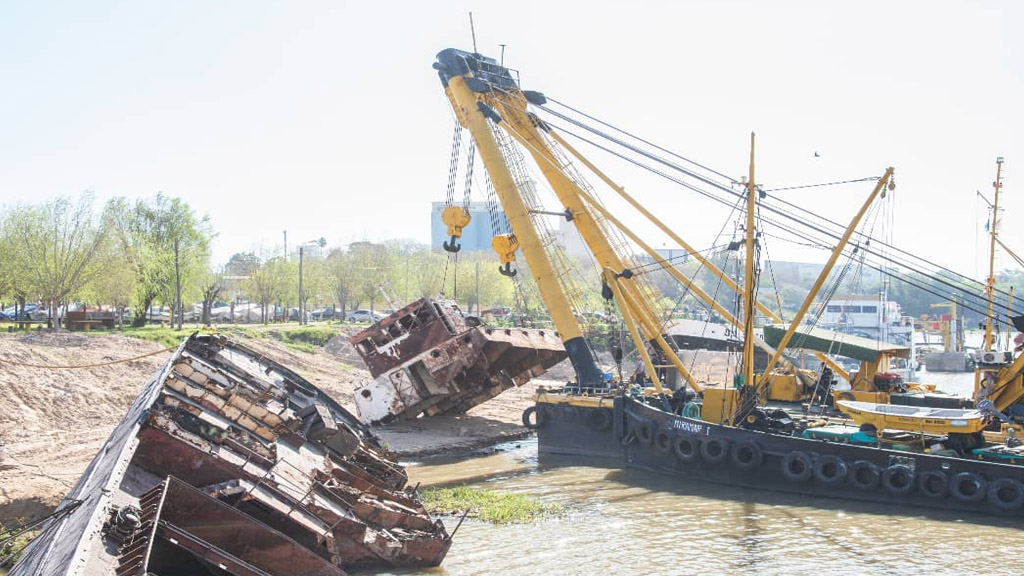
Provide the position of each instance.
(230, 462)
(427, 358)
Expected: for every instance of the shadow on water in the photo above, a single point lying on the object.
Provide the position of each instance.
(784, 501)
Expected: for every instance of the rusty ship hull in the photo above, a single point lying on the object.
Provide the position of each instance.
(428, 359)
(230, 463)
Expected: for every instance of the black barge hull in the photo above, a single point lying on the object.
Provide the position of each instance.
(644, 437)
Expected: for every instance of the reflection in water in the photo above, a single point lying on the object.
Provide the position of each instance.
(627, 522)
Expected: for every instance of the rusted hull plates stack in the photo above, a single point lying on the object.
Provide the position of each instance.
(230, 462)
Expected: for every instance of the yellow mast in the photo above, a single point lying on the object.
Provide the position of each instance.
(990, 285)
(1009, 317)
(748, 279)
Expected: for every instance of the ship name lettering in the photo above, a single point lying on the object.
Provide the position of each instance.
(688, 426)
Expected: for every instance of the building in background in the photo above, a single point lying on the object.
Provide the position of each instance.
(476, 236)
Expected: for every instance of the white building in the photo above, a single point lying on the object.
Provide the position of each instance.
(868, 315)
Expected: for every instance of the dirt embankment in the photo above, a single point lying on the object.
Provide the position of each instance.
(53, 421)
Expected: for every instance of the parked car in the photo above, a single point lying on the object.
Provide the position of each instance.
(363, 316)
(321, 314)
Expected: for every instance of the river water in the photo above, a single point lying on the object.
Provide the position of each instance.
(624, 522)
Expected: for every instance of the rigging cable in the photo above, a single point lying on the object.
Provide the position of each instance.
(706, 180)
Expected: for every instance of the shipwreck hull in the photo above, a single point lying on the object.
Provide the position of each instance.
(231, 463)
(644, 437)
(427, 358)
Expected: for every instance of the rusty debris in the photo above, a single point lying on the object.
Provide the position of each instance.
(428, 358)
(230, 463)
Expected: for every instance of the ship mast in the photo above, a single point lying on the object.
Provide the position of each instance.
(990, 286)
(748, 279)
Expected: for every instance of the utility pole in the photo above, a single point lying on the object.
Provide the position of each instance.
(301, 249)
(285, 232)
(177, 282)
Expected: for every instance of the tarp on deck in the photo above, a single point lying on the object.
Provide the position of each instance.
(832, 342)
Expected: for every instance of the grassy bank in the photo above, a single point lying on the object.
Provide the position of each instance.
(304, 338)
(488, 505)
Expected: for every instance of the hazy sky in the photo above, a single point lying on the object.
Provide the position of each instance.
(326, 119)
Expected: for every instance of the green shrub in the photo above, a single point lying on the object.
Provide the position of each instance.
(487, 505)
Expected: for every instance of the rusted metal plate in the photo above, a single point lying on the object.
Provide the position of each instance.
(240, 466)
(427, 358)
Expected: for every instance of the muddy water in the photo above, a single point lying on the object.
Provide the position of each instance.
(630, 522)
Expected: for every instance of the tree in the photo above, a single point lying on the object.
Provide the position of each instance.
(212, 288)
(116, 284)
(146, 232)
(339, 277)
(369, 269)
(270, 282)
(55, 245)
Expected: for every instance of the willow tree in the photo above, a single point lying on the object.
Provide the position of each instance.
(54, 245)
(147, 232)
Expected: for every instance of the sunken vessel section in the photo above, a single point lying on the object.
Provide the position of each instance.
(429, 358)
(230, 463)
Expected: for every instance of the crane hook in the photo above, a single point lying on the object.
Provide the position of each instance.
(453, 247)
(507, 270)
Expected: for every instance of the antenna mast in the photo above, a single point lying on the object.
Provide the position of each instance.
(993, 232)
(472, 30)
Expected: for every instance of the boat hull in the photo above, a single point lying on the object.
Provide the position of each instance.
(647, 438)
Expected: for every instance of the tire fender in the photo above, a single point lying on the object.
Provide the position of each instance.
(899, 479)
(714, 450)
(1006, 493)
(538, 420)
(968, 487)
(747, 455)
(864, 475)
(797, 467)
(830, 469)
(687, 448)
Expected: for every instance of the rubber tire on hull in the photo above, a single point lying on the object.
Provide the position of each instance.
(599, 419)
(687, 448)
(644, 430)
(533, 411)
(664, 441)
(933, 483)
(856, 475)
(746, 455)
(797, 467)
(998, 488)
(899, 479)
(830, 469)
(960, 482)
(714, 450)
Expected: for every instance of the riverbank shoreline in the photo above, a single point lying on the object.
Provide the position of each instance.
(53, 421)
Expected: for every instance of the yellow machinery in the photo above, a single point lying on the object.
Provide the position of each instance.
(487, 100)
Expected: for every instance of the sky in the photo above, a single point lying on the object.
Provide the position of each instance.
(325, 119)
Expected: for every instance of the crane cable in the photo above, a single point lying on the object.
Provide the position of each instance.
(709, 181)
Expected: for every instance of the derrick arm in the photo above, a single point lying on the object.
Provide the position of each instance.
(483, 91)
(836, 252)
(467, 80)
(694, 253)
